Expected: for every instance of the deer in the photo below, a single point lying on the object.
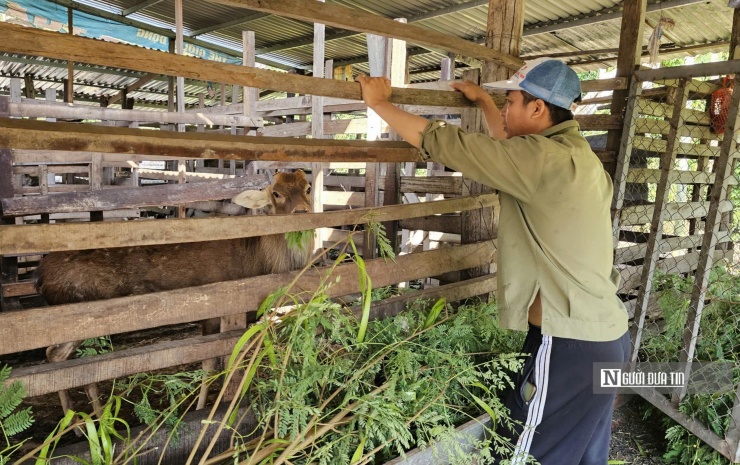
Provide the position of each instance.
(81, 276)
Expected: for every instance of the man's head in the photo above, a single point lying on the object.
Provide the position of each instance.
(541, 94)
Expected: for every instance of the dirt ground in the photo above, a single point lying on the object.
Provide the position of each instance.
(636, 441)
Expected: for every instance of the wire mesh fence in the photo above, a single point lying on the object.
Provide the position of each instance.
(677, 217)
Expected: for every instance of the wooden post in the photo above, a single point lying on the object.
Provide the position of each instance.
(180, 100)
(69, 96)
(735, 36)
(392, 188)
(29, 91)
(504, 27)
(8, 265)
(503, 34)
(628, 59)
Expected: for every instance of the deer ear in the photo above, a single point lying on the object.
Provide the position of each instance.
(252, 199)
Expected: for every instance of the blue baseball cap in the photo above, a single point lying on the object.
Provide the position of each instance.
(547, 79)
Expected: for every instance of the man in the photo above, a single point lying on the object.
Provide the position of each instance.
(556, 278)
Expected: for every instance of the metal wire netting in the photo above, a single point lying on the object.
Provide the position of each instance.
(674, 237)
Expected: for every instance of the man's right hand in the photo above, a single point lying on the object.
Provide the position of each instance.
(471, 91)
(375, 90)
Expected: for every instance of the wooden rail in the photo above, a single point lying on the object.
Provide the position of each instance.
(30, 329)
(17, 239)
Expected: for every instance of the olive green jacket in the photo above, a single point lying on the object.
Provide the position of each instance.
(555, 232)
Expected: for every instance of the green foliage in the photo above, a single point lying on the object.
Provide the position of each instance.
(299, 240)
(719, 341)
(12, 421)
(384, 244)
(95, 346)
(413, 378)
(588, 75)
(172, 390)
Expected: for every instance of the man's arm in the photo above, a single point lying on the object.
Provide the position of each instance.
(375, 93)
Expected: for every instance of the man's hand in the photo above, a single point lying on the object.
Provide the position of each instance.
(375, 90)
(472, 92)
(479, 96)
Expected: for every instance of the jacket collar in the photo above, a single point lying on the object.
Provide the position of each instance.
(562, 128)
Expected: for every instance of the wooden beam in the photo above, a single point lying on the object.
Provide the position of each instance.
(449, 224)
(39, 135)
(641, 214)
(17, 239)
(361, 21)
(18, 289)
(689, 71)
(18, 39)
(30, 329)
(114, 199)
(39, 109)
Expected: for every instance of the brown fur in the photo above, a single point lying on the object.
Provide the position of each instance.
(66, 277)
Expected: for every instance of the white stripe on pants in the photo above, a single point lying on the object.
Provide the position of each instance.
(537, 404)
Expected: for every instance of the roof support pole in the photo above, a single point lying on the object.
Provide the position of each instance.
(628, 59)
(504, 28)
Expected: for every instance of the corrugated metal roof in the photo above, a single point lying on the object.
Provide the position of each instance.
(289, 42)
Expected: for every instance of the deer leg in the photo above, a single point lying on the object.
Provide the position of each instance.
(93, 393)
(210, 326)
(59, 353)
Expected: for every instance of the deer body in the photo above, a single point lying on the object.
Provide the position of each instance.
(80, 276)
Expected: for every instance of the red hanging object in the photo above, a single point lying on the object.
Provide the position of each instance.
(720, 106)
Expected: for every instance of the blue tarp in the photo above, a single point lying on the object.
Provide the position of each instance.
(50, 16)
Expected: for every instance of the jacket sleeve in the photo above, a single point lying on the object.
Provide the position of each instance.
(513, 166)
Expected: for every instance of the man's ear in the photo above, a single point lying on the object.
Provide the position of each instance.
(540, 110)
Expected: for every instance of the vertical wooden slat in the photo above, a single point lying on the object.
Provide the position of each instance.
(317, 127)
(377, 47)
(624, 157)
(248, 59)
(476, 225)
(43, 175)
(392, 188)
(69, 96)
(656, 227)
(15, 90)
(29, 91)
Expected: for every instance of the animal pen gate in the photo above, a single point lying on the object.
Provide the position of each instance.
(672, 224)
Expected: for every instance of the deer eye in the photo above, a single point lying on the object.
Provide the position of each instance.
(276, 195)
(308, 190)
